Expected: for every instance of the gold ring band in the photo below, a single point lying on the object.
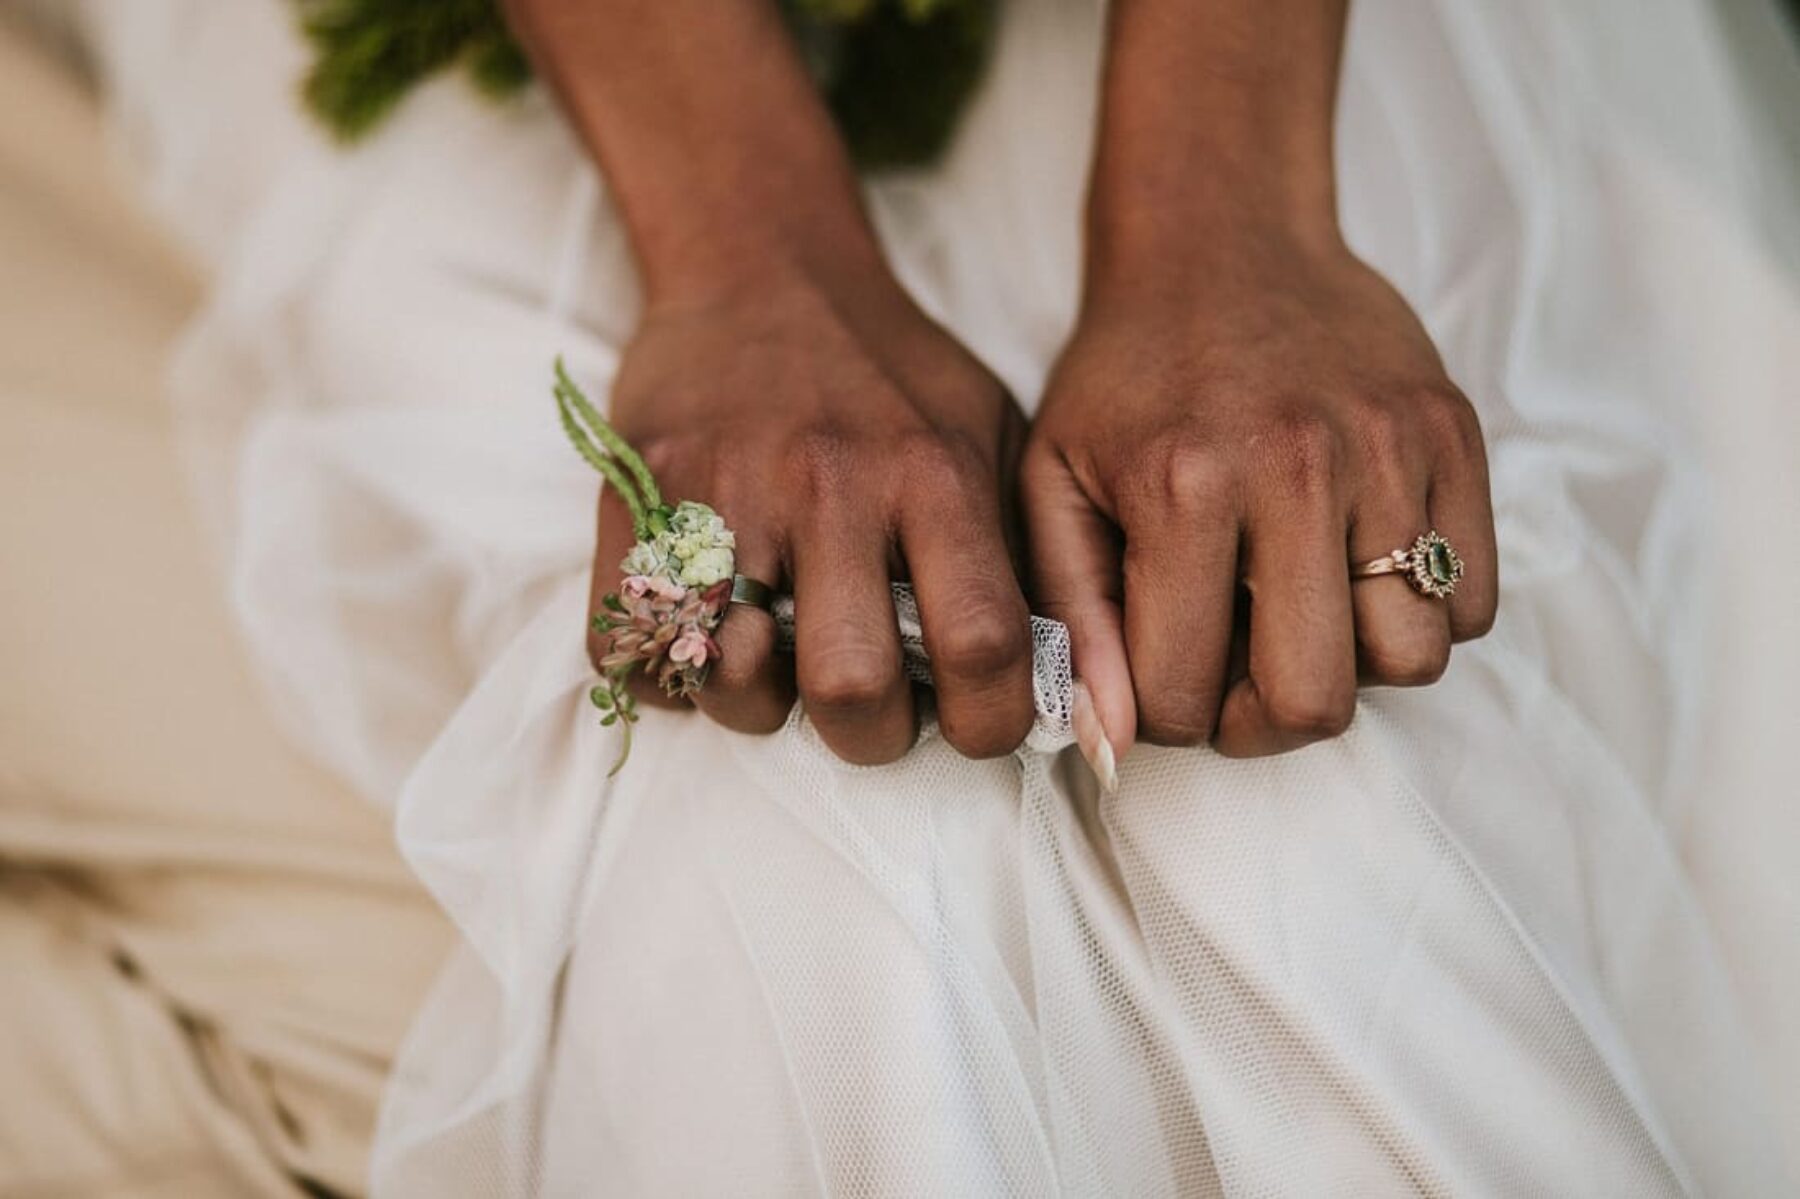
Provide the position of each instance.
(1431, 564)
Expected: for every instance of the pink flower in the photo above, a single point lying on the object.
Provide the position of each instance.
(655, 588)
(691, 648)
(665, 628)
(713, 601)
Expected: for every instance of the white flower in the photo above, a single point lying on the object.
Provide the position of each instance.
(643, 560)
(700, 523)
(706, 567)
(695, 549)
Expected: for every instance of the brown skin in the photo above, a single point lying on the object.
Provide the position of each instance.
(1242, 401)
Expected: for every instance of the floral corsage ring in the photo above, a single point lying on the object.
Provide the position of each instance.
(679, 577)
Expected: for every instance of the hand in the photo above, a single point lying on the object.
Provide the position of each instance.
(846, 440)
(1209, 460)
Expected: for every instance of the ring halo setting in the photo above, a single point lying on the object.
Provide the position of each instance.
(1433, 566)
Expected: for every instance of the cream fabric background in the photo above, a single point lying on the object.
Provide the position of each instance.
(141, 779)
(924, 977)
(208, 948)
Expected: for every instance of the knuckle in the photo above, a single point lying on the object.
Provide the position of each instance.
(849, 682)
(1311, 714)
(824, 463)
(1384, 438)
(1306, 452)
(1449, 420)
(983, 643)
(1408, 663)
(936, 457)
(685, 459)
(661, 452)
(1195, 474)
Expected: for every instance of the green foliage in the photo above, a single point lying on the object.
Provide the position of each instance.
(370, 53)
(613, 456)
(903, 75)
(619, 708)
(895, 72)
(497, 66)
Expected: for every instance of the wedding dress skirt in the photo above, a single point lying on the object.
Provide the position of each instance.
(1468, 948)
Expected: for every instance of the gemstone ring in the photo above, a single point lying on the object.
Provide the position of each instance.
(1430, 564)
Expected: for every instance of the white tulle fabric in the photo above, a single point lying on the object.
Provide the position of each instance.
(1456, 951)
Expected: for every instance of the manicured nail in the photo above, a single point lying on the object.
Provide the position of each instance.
(1090, 736)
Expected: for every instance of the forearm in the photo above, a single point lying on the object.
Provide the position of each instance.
(719, 153)
(1216, 120)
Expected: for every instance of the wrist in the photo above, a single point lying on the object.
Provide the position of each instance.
(718, 152)
(788, 291)
(1205, 245)
(702, 253)
(1215, 138)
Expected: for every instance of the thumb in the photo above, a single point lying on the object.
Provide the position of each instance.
(1076, 565)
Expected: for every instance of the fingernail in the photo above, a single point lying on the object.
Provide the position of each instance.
(1090, 736)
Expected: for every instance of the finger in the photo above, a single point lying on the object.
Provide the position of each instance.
(1402, 637)
(1462, 510)
(847, 642)
(750, 687)
(1301, 685)
(1075, 563)
(1181, 570)
(976, 626)
(613, 539)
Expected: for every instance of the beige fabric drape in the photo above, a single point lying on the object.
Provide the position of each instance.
(208, 949)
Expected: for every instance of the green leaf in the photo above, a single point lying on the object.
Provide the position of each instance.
(902, 77)
(896, 73)
(497, 66)
(609, 470)
(370, 53)
(609, 437)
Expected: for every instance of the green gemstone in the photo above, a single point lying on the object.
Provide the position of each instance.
(1439, 562)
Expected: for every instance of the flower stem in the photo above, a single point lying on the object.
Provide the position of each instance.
(609, 469)
(607, 436)
(627, 473)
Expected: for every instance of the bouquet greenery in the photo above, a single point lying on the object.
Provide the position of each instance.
(895, 73)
